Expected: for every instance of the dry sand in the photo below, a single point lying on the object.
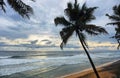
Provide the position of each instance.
(108, 70)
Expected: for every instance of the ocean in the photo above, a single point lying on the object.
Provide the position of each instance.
(51, 63)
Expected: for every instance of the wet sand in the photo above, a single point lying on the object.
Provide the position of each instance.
(108, 70)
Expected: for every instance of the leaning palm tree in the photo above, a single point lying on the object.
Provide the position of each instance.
(19, 6)
(116, 21)
(77, 21)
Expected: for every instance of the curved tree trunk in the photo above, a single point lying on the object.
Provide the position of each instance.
(93, 66)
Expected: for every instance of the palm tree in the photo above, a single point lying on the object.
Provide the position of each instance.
(116, 21)
(19, 6)
(77, 21)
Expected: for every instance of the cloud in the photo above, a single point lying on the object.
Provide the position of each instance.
(2, 44)
(34, 42)
(42, 22)
(40, 30)
(46, 42)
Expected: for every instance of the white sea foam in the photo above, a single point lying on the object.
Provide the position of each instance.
(66, 60)
(12, 65)
(3, 57)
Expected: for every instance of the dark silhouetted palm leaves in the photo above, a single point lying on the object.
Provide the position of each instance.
(19, 6)
(116, 21)
(77, 21)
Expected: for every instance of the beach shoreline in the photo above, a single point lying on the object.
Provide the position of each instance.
(27, 66)
(107, 70)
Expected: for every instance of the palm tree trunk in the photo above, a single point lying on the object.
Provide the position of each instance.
(93, 66)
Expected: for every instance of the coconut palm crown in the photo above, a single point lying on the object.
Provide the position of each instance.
(116, 21)
(19, 6)
(77, 21)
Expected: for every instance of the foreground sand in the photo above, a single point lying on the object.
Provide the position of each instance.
(109, 70)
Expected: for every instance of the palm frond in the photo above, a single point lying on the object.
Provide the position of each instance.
(68, 9)
(118, 40)
(76, 5)
(2, 5)
(95, 30)
(73, 11)
(84, 7)
(65, 34)
(113, 17)
(116, 10)
(61, 21)
(69, 5)
(92, 33)
(71, 14)
(118, 47)
(114, 23)
(117, 37)
(117, 29)
(20, 7)
(82, 11)
(88, 16)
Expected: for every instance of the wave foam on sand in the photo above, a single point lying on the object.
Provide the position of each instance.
(108, 70)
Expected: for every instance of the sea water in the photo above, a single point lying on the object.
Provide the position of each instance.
(18, 61)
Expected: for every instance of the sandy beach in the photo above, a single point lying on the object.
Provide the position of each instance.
(108, 70)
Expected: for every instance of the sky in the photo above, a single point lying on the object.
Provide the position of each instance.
(39, 33)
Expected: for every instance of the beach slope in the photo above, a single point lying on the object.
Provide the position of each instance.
(108, 70)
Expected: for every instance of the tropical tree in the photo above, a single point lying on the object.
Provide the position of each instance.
(116, 21)
(19, 6)
(78, 20)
